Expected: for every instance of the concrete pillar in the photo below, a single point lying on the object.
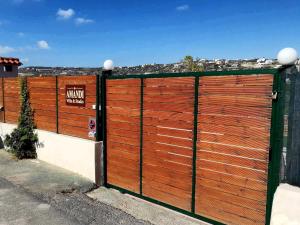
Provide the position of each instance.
(99, 168)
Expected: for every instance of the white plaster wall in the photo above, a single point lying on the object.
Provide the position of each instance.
(286, 206)
(6, 128)
(71, 153)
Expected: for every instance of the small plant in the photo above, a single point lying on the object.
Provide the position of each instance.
(22, 141)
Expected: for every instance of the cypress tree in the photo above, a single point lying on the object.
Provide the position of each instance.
(22, 141)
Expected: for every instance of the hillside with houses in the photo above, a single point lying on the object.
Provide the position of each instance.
(206, 64)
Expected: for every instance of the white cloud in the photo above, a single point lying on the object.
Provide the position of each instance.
(6, 49)
(80, 21)
(183, 8)
(65, 14)
(43, 44)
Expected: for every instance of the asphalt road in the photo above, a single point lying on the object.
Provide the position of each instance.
(36, 193)
(19, 208)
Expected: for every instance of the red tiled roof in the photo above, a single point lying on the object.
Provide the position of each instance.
(10, 61)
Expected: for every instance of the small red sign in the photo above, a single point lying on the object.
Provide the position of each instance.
(92, 125)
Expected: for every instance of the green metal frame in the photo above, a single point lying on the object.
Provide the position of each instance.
(98, 119)
(103, 120)
(141, 135)
(195, 74)
(122, 190)
(196, 104)
(276, 141)
(275, 135)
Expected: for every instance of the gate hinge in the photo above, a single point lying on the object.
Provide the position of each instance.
(274, 95)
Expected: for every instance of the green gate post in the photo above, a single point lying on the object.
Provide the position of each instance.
(196, 103)
(98, 118)
(102, 135)
(276, 140)
(141, 134)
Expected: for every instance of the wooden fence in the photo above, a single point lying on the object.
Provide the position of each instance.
(48, 101)
(206, 144)
(198, 143)
(43, 101)
(11, 99)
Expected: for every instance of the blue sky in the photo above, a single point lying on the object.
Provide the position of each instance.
(86, 32)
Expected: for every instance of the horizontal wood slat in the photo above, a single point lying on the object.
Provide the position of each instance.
(12, 97)
(178, 82)
(43, 91)
(265, 80)
(123, 133)
(222, 211)
(166, 193)
(232, 148)
(218, 110)
(234, 160)
(167, 140)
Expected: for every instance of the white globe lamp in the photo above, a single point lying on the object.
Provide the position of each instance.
(287, 56)
(108, 65)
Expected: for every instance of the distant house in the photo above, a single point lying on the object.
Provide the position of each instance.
(261, 60)
(9, 67)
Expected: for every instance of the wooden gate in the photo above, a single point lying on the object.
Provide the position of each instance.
(199, 143)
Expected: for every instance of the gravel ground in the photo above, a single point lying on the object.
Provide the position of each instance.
(141, 209)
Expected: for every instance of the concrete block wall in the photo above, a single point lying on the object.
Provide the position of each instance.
(75, 154)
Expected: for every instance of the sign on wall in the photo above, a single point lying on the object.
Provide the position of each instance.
(75, 95)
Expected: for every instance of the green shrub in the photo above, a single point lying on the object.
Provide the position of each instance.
(22, 141)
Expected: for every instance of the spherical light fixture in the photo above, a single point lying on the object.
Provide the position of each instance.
(108, 65)
(287, 56)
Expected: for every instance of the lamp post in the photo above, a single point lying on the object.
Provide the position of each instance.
(101, 92)
(287, 56)
(108, 65)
